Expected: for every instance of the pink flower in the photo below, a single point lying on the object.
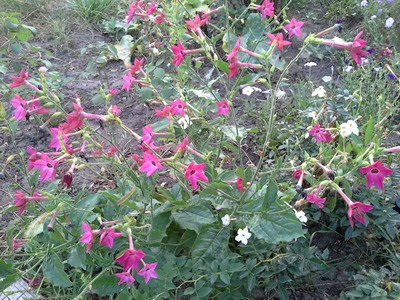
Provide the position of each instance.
(115, 111)
(266, 9)
(233, 67)
(376, 174)
(277, 40)
(239, 184)
(298, 174)
(294, 27)
(313, 198)
(128, 80)
(18, 80)
(160, 18)
(57, 134)
(392, 149)
(178, 107)
(182, 146)
(107, 237)
(113, 92)
(17, 243)
(130, 258)
(179, 52)
(20, 200)
(164, 112)
(20, 107)
(357, 211)
(195, 24)
(235, 50)
(147, 137)
(74, 119)
(223, 108)
(125, 277)
(148, 271)
(47, 167)
(150, 164)
(152, 8)
(354, 47)
(320, 134)
(36, 108)
(137, 66)
(87, 236)
(195, 172)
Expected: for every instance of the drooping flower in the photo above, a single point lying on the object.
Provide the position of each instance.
(137, 66)
(179, 52)
(298, 173)
(47, 167)
(18, 80)
(223, 108)
(182, 146)
(178, 107)
(58, 135)
(130, 258)
(195, 25)
(87, 236)
(243, 235)
(294, 27)
(20, 200)
(235, 50)
(125, 277)
(74, 119)
(107, 237)
(266, 9)
(348, 128)
(114, 110)
(164, 112)
(233, 67)
(320, 134)
(148, 271)
(357, 210)
(20, 107)
(315, 199)
(150, 164)
(195, 172)
(375, 174)
(277, 40)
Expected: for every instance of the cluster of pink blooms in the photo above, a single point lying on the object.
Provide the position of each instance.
(143, 10)
(375, 175)
(320, 134)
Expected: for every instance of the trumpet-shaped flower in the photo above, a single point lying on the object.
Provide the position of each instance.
(125, 277)
(277, 40)
(57, 134)
(178, 107)
(195, 172)
(87, 236)
(294, 27)
(266, 9)
(375, 174)
(47, 167)
(243, 235)
(130, 258)
(226, 220)
(150, 164)
(223, 108)
(107, 237)
(357, 210)
(179, 52)
(348, 128)
(18, 80)
(20, 107)
(235, 50)
(148, 271)
(315, 199)
(320, 134)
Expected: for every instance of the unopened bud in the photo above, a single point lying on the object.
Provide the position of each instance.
(10, 158)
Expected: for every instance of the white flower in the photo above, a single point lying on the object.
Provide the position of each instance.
(243, 235)
(364, 3)
(319, 91)
(248, 90)
(43, 69)
(310, 64)
(373, 17)
(347, 69)
(226, 220)
(326, 78)
(312, 114)
(184, 122)
(346, 129)
(389, 22)
(301, 216)
(280, 94)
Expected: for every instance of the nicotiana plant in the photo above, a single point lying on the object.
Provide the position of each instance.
(188, 212)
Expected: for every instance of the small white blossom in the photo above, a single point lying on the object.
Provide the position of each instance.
(226, 220)
(43, 69)
(319, 91)
(346, 129)
(280, 94)
(364, 3)
(347, 69)
(301, 216)
(364, 61)
(243, 235)
(310, 64)
(389, 22)
(184, 122)
(312, 114)
(248, 90)
(326, 78)
(373, 17)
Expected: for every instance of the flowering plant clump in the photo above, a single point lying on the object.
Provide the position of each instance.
(189, 203)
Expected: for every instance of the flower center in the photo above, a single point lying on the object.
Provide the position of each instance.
(375, 171)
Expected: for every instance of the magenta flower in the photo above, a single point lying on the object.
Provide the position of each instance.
(128, 80)
(18, 80)
(266, 9)
(87, 236)
(74, 119)
(107, 237)
(47, 167)
(20, 200)
(125, 277)
(148, 271)
(315, 199)
(164, 112)
(277, 40)
(375, 174)
(298, 173)
(178, 107)
(179, 52)
(137, 66)
(195, 25)
(223, 108)
(130, 258)
(36, 108)
(294, 27)
(233, 67)
(182, 146)
(58, 134)
(235, 50)
(20, 107)
(150, 164)
(195, 172)
(357, 210)
(115, 111)
(320, 134)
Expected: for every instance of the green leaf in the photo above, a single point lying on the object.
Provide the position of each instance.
(235, 133)
(53, 270)
(125, 49)
(159, 73)
(194, 217)
(77, 258)
(270, 195)
(106, 285)
(369, 131)
(210, 242)
(2, 113)
(145, 93)
(159, 225)
(223, 66)
(225, 278)
(8, 275)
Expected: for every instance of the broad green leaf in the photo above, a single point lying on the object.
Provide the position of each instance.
(145, 93)
(159, 224)
(194, 217)
(270, 195)
(106, 285)
(369, 131)
(223, 66)
(53, 270)
(233, 132)
(125, 49)
(210, 242)
(77, 258)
